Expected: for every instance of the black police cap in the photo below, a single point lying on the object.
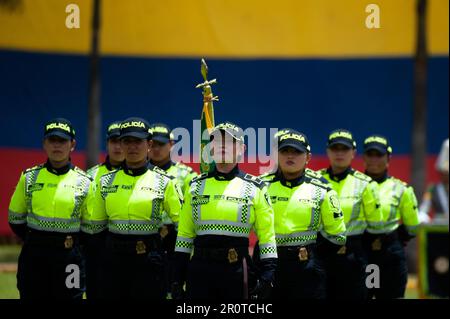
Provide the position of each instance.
(59, 127)
(113, 129)
(294, 139)
(378, 143)
(135, 127)
(161, 133)
(343, 137)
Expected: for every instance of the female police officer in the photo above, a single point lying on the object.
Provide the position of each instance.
(219, 211)
(45, 212)
(303, 205)
(130, 201)
(94, 246)
(358, 196)
(400, 220)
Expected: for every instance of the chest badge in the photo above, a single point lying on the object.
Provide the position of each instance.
(68, 243)
(302, 254)
(140, 247)
(232, 255)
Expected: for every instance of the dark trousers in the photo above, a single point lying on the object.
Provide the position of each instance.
(346, 273)
(134, 268)
(216, 278)
(391, 260)
(42, 267)
(168, 245)
(298, 279)
(93, 251)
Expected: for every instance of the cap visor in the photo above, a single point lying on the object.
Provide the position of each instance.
(296, 146)
(59, 134)
(378, 148)
(226, 131)
(161, 139)
(140, 135)
(341, 142)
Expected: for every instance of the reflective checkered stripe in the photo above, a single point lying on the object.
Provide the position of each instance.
(221, 227)
(133, 227)
(268, 251)
(296, 239)
(338, 239)
(30, 180)
(82, 186)
(160, 185)
(93, 227)
(197, 189)
(184, 244)
(247, 194)
(356, 209)
(105, 181)
(61, 225)
(93, 171)
(17, 218)
(318, 196)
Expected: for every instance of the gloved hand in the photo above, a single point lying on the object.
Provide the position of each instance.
(177, 291)
(262, 290)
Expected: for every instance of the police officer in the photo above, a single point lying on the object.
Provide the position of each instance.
(94, 245)
(129, 202)
(162, 142)
(400, 220)
(220, 209)
(303, 206)
(358, 197)
(45, 212)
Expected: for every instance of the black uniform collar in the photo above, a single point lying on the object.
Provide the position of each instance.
(381, 179)
(135, 171)
(341, 176)
(292, 182)
(166, 166)
(108, 164)
(225, 176)
(58, 171)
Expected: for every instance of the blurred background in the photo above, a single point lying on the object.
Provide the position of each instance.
(313, 65)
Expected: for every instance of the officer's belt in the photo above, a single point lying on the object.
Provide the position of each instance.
(134, 245)
(228, 255)
(294, 252)
(50, 239)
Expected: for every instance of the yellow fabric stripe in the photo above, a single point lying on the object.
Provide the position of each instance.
(223, 28)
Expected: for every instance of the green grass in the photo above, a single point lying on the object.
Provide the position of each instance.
(8, 288)
(9, 254)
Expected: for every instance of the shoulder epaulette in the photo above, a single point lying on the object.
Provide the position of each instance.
(267, 177)
(401, 182)
(319, 182)
(184, 166)
(40, 166)
(311, 173)
(198, 178)
(158, 170)
(254, 180)
(361, 176)
(81, 172)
